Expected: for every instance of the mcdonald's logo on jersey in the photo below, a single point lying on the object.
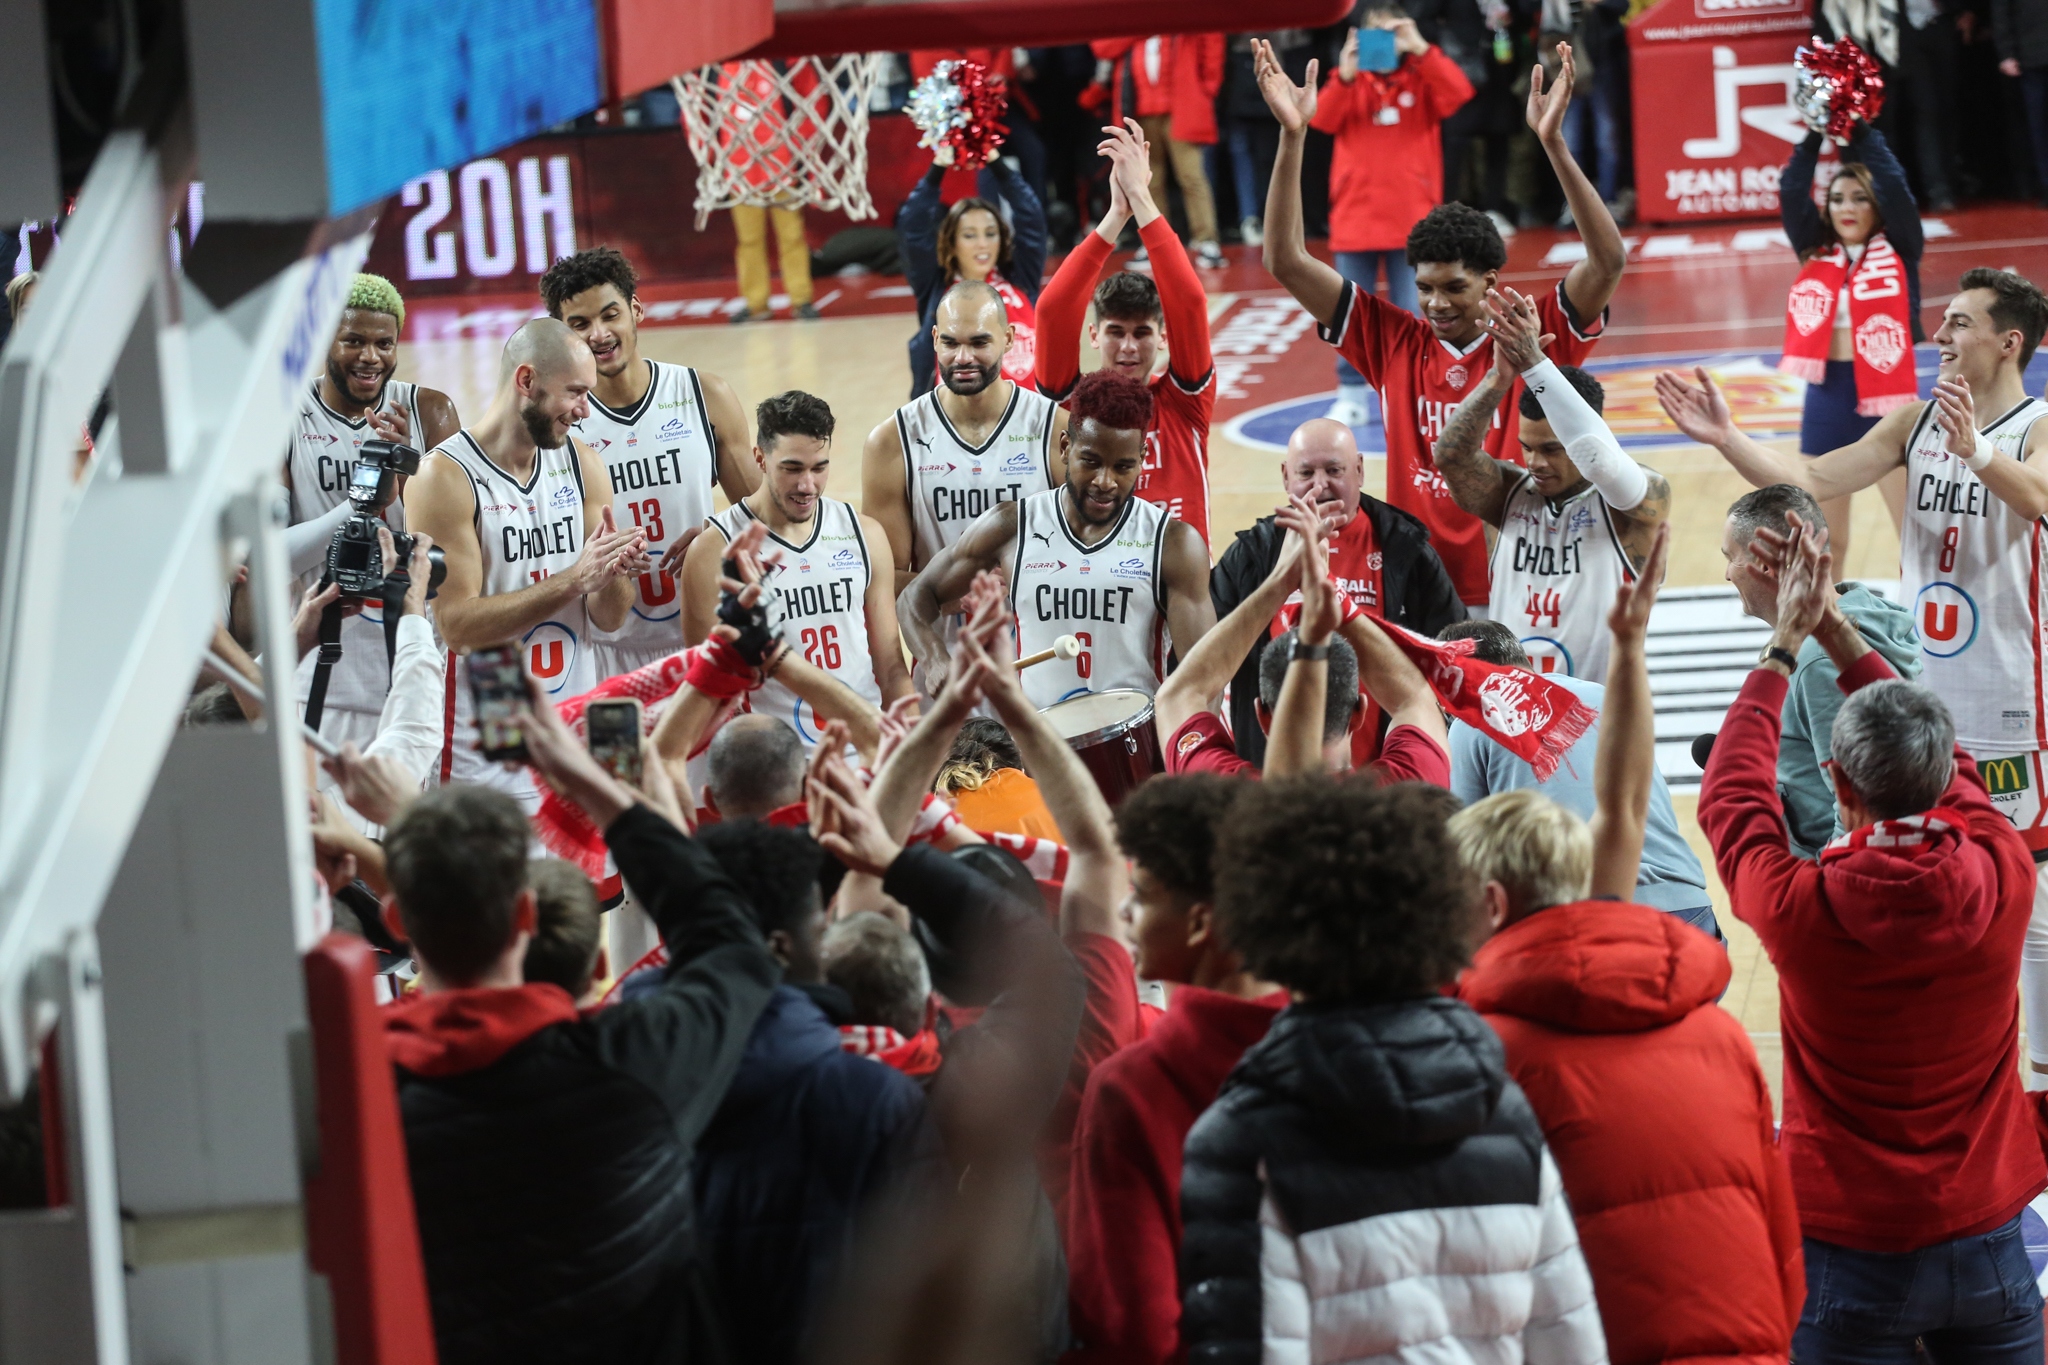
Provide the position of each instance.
(2004, 776)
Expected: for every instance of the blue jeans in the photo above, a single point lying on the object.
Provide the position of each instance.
(1605, 154)
(1362, 268)
(1972, 1301)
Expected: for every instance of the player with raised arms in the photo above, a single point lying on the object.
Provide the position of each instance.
(523, 512)
(831, 598)
(1133, 316)
(1971, 550)
(1085, 559)
(1424, 367)
(354, 401)
(1577, 523)
(667, 435)
(973, 442)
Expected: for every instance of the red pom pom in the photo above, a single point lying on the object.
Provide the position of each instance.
(985, 98)
(1856, 90)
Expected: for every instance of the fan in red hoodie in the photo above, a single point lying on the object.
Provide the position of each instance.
(1123, 1208)
(1649, 1094)
(1132, 316)
(1897, 954)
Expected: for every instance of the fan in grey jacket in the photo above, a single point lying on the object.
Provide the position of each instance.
(1369, 1185)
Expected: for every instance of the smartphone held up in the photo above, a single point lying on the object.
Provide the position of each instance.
(613, 731)
(497, 688)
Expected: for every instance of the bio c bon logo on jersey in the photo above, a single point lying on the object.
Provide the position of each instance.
(1945, 619)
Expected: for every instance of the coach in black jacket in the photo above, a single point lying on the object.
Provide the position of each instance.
(1415, 587)
(550, 1152)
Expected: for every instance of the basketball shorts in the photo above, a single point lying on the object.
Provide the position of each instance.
(2014, 781)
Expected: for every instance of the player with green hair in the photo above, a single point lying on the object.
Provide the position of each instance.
(354, 400)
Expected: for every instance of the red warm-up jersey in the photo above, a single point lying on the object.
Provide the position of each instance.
(1421, 380)
(1176, 473)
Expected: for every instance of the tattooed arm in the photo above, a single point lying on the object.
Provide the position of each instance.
(1478, 482)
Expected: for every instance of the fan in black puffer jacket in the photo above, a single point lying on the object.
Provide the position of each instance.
(1369, 1184)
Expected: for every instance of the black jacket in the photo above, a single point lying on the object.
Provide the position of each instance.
(917, 226)
(1415, 585)
(808, 1136)
(1352, 1119)
(550, 1152)
(1895, 206)
(1002, 1075)
(2020, 29)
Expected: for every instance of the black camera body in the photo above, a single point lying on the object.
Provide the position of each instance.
(355, 560)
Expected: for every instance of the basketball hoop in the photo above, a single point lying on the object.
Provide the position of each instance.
(781, 134)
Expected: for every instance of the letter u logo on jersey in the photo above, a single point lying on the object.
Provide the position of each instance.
(657, 589)
(1945, 619)
(551, 655)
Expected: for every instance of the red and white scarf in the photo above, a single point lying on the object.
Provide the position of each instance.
(1525, 713)
(1880, 324)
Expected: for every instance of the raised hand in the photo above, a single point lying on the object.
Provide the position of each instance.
(672, 557)
(377, 787)
(894, 727)
(392, 424)
(1321, 612)
(844, 820)
(1956, 410)
(1546, 108)
(1699, 410)
(1130, 165)
(1294, 105)
(1302, 526)
(1517, 331)
(1408, 39)
(1629, 617)
(1806, 585)
(306, 623)
(420, 574)
(1347, 59)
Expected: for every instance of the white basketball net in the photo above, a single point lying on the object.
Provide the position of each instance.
(781, 137)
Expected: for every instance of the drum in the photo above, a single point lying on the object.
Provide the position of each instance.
(1112, 732)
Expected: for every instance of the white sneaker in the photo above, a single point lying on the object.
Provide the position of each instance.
(1251, 232)
(1350, 411)
(1501, 224)
(1208, 255)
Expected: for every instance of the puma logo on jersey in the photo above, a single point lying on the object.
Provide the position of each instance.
(1045, 536)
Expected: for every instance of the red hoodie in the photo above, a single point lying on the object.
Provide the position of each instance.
(1896, 955)
(1387, 169)
(1658, 1115)
(445, 1033)
(1123, 1212)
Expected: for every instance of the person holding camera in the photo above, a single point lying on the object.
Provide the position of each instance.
(523, 512)
(1385, 105)
(355, 408)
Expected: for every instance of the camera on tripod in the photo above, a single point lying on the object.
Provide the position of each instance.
(355, 560)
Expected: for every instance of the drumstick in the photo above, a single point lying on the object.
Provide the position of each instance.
(1066, 647)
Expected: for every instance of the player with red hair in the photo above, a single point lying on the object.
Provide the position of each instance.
(1084, 559)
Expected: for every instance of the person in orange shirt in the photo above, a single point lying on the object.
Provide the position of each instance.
(984, 777)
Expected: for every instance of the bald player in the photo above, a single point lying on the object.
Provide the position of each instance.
(1379, 556)
(523, 511)
(976, 440)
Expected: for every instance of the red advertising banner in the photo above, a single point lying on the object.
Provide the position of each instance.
(1714, 120)
(493, 225)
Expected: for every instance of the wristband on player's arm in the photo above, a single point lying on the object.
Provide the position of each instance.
(1586, 437)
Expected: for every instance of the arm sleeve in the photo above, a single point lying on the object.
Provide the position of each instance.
(917, 227)
(1027, 229)
(1185, 303)
(1334, 103)
(1062, 311)
(1564, 1322)
(1795, 196)
(1739, 810)
(684, 1040)
(1447, 86)
(1894, 196)
(2004, 35)
(409, 731)
(306, 543)
(1587, 439)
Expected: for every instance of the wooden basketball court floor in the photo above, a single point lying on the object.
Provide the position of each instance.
(1710, 295)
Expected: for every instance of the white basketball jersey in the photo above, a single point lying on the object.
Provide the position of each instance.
(526, 532)
(663, 463)
(951, 482)
(323, 454)
(1972, 574)
(818, 605)
(1555, 574)
(1111, 597)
